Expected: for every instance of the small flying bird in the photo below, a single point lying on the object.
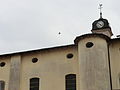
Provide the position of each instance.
(59, 33)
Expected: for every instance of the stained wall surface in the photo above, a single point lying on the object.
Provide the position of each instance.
(51, 68)
(93, 64)
(114, 49)
(5, 71)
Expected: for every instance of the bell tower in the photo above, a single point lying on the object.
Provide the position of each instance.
(93, 57)
(101, 26)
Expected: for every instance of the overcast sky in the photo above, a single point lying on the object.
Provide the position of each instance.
(34, 24)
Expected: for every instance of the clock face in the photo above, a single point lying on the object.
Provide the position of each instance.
(100, 24)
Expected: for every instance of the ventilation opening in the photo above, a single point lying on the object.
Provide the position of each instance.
(89, 44)
(69, 56)
(34, 60)
(2, 64)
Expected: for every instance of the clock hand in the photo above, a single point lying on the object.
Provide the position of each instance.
(100, 24)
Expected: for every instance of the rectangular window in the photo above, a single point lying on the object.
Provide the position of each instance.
(70, 82)
(34, 84)
(2, 85)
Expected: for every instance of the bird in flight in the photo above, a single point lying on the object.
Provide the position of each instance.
(59, 33)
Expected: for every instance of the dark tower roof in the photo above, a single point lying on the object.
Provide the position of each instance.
(101, 26)
(105, 21)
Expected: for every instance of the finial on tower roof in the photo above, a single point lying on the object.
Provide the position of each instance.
(100, 7)
(101, 26)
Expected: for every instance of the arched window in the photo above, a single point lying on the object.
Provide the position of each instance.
(34, 84)
(70, 81)
(2, 85)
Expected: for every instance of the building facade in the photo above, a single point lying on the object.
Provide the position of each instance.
(91, 63)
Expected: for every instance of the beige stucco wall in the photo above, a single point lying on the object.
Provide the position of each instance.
(15, 71)
(4, 71)
(115, 63)
(93, 64)
(53, 65)
(51, 68)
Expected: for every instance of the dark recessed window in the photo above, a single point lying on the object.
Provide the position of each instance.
(2, 85)
(70, 80)
(34, 60)
(2, 64)
(119, 80)
(70, 55)
(34, 84)
(89, 44)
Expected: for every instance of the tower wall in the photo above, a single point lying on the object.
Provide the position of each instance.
(93, 64)
(15, 70)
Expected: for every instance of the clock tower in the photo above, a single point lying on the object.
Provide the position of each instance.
(101, 26)
(93, 57)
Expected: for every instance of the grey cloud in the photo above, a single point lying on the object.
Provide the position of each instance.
(30, 24)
